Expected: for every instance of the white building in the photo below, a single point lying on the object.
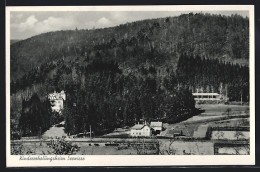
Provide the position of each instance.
(206, 96)
(57, 100)
(156, 126)
(140, 130)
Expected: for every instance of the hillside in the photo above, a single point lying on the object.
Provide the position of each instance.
(211, 36)
(116, 76)
(12, 41)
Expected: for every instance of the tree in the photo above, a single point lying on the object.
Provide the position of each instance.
(228, 111)
(56, 118)
(238, 134)
(35, 116)
(17, 149)
(219, 134)
(167, 149)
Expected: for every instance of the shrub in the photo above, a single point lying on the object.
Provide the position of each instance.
(17, 149)
(63, 147)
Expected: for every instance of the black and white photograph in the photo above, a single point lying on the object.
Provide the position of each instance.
(159, 81)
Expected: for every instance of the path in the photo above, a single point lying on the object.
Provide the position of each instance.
(54, 132)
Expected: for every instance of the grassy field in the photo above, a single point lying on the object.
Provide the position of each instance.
(240, 150)
(179, 148)
(187, 148)
(215, 115)
(220, 109)
(38, 148)
(230, 135)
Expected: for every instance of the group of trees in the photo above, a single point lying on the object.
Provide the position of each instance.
(108, 99)
(37, 116)
(212, 75)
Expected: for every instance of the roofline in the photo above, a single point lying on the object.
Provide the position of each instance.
(205, 94)
(140, 128)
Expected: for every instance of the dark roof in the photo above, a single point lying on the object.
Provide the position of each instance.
(138, 126)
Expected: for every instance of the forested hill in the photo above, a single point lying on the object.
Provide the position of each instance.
(156, 42)
(12, 41)
(113, 77)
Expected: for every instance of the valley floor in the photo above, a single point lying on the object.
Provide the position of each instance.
(215, 116)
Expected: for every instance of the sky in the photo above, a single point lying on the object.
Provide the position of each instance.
(25, 24)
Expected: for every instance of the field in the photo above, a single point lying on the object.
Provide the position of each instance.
(215, 115)
(166, 147)
(42, 149)
(187, 148)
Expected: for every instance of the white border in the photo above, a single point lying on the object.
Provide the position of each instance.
(140, 160)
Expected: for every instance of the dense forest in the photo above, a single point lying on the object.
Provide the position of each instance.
(212, 75)
(141, 70)
(101, 96)
(12, 41)
(212, 36)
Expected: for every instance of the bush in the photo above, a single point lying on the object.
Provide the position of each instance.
(63, 147)
(17, 149)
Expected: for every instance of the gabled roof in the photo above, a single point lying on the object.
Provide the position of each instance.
(156, 124)
(57, 96)
(138, 126)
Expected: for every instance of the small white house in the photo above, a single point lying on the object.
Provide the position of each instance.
(140, 130)
(156, 126)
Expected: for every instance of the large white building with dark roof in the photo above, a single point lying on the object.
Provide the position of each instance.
(140, 130)
(57, 100)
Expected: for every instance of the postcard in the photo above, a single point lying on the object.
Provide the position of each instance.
(130, 85)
